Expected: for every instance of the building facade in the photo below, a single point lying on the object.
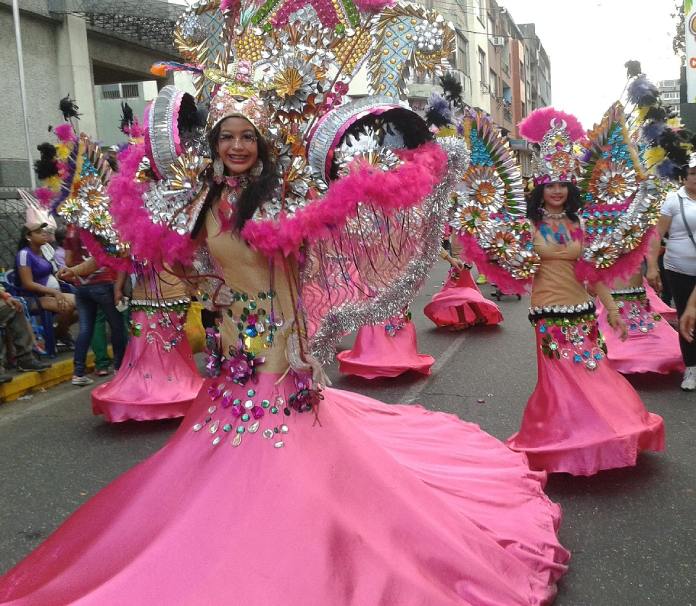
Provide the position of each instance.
(76, 47)
(670, 93)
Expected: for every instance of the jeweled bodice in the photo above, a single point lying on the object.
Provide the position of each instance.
(262, 314)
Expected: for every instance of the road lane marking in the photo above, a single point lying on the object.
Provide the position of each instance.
(414, 392)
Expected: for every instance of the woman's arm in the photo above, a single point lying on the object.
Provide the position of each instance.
(26, 279)
(687, 322)
(613, 316)
(85, 268)
(653, 272)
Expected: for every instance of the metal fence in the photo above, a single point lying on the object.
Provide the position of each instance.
(12, 216)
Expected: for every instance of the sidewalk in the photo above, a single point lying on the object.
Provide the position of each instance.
(61, 370)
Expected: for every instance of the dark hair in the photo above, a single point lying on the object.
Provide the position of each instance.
(258, 191)
(535, 202)
(22, 242)
(60, 234)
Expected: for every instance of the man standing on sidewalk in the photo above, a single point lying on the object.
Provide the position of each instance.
(15, 325)
(95, 291)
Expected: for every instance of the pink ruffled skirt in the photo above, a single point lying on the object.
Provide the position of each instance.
(460, 304)
(158, 378)
(377, 353)
(652, 344)
(583, 416)
(364, 504)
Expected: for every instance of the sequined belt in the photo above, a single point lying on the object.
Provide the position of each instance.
(564, 311)
(637, 293)
(154, 305)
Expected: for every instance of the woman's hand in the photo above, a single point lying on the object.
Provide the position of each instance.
(653, 277)
(63, 301)
(617, 323)
(67, 274)
(687, 324)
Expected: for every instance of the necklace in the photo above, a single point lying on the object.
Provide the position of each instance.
(227, 207)
(547, 215)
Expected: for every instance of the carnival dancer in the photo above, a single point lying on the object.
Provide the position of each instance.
(388, 349)
(158, 378)
(460, 304)
(274, 490)
(652, 344)
(583, 416)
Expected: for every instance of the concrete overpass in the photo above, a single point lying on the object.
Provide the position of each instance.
(71, 46)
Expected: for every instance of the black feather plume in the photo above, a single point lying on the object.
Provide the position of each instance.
(69, 108)
(46, 166)
(633, 68)
(452, 89)
(126, 117)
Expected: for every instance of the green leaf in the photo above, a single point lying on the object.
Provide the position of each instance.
(687, 6)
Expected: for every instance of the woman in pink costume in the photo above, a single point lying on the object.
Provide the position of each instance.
(158, 378)
(583, 416)
(385, 350)
(276, 490)
(652, 344)
(460, 304)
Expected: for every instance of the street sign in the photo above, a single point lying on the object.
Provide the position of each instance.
(690, 39)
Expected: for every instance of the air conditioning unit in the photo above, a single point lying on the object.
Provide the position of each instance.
(498, 40)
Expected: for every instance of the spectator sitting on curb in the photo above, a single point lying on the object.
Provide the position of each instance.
(14, 323)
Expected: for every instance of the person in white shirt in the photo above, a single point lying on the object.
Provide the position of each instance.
(678, 217)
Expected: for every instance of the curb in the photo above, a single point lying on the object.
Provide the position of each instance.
(59, 372)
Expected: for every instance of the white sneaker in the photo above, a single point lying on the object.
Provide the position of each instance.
(689, 382)
(80, 381)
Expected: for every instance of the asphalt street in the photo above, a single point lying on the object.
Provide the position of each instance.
(632, 532)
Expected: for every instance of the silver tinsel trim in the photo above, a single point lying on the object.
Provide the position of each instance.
(161, 122)
(325, 135)
(216, 293)
(390, 301)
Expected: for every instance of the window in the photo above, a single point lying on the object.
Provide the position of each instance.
(491, 27)
(111, 91)
(463, 54)
(482, 66)
(479, 9)
(130, 91)
(493, 79)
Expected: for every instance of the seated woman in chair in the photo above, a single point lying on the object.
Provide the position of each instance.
(35, 278)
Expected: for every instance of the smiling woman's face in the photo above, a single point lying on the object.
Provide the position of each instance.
(236, 145)
(555, 196)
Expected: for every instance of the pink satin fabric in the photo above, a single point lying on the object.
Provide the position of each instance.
(654, 351)
(581, 421)
(377, 354)
(658, 305)
(152, 383)
(368, 504)
(460, 304)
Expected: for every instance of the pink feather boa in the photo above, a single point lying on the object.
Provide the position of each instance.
(495, 274)
(45, 195)
(623, 269)
(65, 132)
(149, 241)
(403, 187)
(101, 256)
(536, 124)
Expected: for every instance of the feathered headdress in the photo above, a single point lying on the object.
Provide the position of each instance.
(667, 144)
(556, 133)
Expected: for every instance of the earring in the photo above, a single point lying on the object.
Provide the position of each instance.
(257, 169)
(218, 170)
